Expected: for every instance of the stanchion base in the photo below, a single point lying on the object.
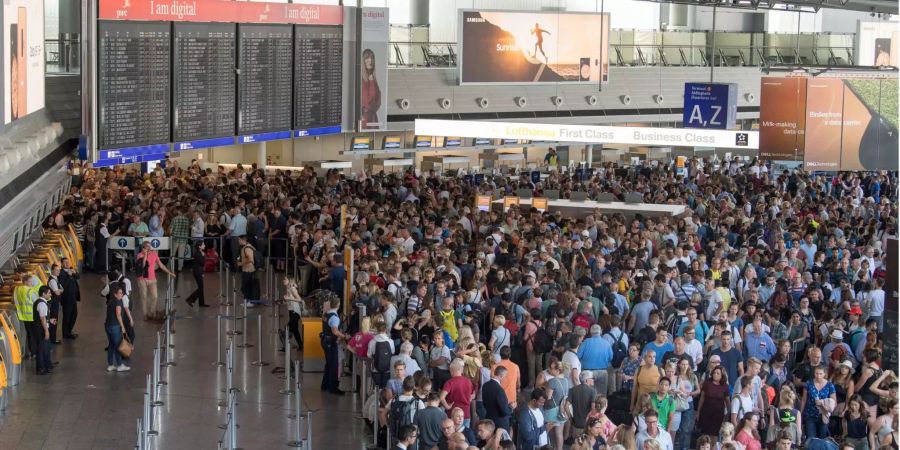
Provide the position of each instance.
(234, 389)
(244, 345)
(225, 304)
(162, 383)
(218, 364)
(259, 363)
(234, 333)
(171, 345)
(296, 444)
(224, 426)
(158, 403)
(288, 392)
(152, 433)
(168, 364)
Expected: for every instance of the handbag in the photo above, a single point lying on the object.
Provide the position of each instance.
(125, 347)
(681, 403)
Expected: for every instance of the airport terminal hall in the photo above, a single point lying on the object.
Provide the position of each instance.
(449, 225)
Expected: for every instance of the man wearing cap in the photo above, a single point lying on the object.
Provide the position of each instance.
(836, 350)
(595, 355)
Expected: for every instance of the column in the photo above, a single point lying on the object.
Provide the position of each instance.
(261, 155)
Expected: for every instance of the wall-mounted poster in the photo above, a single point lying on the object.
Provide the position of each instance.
(533, 47)
(373, 61)
(23, 58)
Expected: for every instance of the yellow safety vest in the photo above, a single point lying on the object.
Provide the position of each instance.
(22, 299)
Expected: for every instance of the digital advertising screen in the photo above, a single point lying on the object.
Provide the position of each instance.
(533, 47)
(23, 58)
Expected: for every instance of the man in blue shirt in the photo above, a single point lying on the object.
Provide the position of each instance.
(337, 275)
(758, 343)
(661, 345)
(595, 355)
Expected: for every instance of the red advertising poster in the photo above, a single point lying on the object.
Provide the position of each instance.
(220, 11)
(824, 119)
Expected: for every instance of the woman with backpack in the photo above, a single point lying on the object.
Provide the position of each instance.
(535, 338)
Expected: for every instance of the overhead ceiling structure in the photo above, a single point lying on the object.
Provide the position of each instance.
(870, 6)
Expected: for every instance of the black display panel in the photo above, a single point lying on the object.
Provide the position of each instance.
(318, 57)
(264, 84)
(134, 73)
(204, 75)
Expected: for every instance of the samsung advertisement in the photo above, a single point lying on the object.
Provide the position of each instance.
(533, 47)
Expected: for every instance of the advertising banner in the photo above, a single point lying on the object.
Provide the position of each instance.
(220, 11)
(710, 105)
(851, 124)
(869, 137)
(824, 120)
(533, 47)
(782, 118)
(23, 58)
(373, 72)
(877, 44)
(590, 134)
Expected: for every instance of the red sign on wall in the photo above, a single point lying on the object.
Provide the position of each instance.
(220, 11)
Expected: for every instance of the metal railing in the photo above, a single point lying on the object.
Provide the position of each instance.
(63, 55)
(632, 48)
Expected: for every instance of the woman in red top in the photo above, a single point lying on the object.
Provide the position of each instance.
(458, 391)
(747, 434)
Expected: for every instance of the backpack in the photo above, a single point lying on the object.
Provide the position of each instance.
(673, 323)
(620, 352)
(382, 357)
(403, 294)
(400, 414)
(258, 263)
(542, 341)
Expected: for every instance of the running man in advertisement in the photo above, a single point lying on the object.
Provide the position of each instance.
(538, 32)
(370, 97)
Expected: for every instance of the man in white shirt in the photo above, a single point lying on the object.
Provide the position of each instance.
(198, 227)
(651, 418)
(692, 346)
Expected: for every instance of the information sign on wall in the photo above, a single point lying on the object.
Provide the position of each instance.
(710, 105)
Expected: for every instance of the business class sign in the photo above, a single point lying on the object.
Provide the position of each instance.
(591, 134)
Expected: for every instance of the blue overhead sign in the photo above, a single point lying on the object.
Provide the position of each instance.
(128, 160)
(710, 105)
(318, 131)
(204, 143)
(128, 152)
(262, 137)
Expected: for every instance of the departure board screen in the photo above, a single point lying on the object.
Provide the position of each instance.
(265, 79)
(134, 84)
(204, 89)
(318, 57)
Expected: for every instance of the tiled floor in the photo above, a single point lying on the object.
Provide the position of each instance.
(81, 406)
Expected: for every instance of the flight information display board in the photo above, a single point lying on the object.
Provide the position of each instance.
(318, 60)
(264, 84)
(204, 85)
(134, 84)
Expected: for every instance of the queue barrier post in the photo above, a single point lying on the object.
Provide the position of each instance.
(154, 385)
(148, 410)
(218, 362)
(375, 422)
(244, 343)
(287, 366)
(259, 359)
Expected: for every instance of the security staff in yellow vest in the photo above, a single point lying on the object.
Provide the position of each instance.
(24, 309)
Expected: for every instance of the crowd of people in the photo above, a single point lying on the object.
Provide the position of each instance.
(755, 319)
